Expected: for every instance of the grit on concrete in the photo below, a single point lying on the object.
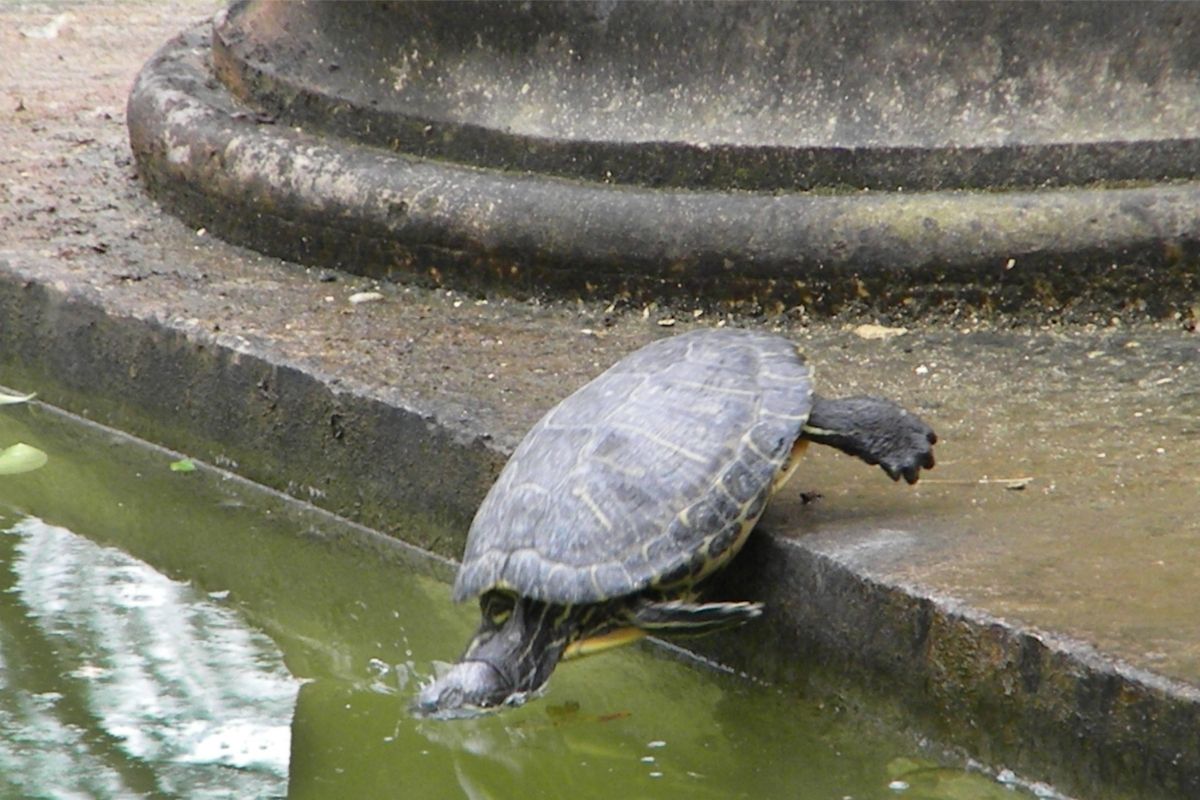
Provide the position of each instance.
(1067, 493)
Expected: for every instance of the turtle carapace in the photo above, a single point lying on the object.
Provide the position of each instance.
(631, 491)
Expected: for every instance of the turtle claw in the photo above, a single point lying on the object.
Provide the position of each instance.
(914, 452)
(876, 430)
(912, 449)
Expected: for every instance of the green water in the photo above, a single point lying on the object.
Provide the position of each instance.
(184, 634)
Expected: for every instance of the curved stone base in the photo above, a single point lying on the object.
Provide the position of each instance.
(331, 202)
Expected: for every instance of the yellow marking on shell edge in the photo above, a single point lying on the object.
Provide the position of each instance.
(723, 489)
(605, 641)
(721, 559)
(595, 582)
(747, 525)
(753, 448)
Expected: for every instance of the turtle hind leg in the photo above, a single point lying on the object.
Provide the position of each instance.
(666, 617)
(678, 617)
(601, 642)
(876, 430)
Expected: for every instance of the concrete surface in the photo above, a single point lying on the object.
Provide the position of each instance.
(1049, 628)
(745, 95)
(414, 189)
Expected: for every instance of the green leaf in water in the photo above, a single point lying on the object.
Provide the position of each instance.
(183, 465)
(7, 399)
(20, 458)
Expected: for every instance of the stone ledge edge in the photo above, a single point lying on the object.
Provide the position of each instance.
(1047, 706)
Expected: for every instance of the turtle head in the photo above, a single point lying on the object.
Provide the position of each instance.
(517, 646)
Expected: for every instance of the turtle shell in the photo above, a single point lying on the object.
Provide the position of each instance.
(645, 476)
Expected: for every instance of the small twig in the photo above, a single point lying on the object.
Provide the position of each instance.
(1007, 483)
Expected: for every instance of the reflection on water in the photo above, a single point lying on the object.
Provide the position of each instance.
(124, 680)
(142, 683)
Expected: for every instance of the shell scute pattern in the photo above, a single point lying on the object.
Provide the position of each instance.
(703, 515)
(661, 549)
(643, 475)
(720, 543)
(744, 481)
(769, 440)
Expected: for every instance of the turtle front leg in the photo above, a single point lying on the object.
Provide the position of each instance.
(876, 430)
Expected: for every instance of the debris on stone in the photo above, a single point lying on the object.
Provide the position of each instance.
(666, 322)
(364, 297)
(8, 399)
(50, 30)
(1013, 484)
(878, 332)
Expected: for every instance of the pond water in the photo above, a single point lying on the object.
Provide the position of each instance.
(185, 634)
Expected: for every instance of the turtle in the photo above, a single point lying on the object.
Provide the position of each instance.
(625, 496)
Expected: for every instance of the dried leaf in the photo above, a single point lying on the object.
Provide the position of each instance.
(9, 399)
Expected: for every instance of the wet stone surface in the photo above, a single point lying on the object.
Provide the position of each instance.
(1066, 492)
